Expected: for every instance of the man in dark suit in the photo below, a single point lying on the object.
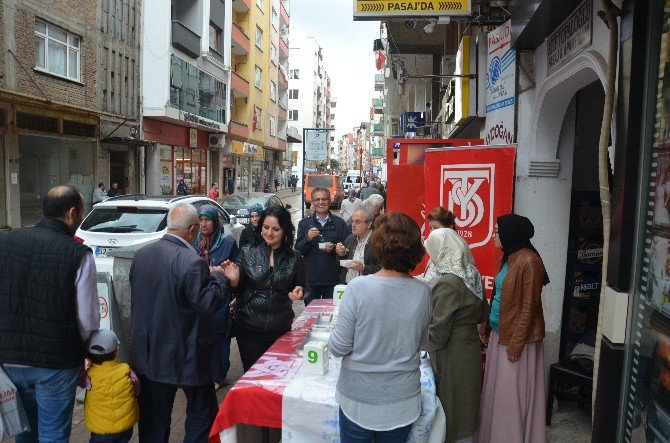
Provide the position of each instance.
(173, 301)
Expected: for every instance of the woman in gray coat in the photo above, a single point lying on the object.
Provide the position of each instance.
(453, 342)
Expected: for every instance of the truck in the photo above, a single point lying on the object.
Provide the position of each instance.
(352, 180)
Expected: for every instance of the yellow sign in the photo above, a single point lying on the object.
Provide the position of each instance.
(375, 9)
(193, 138)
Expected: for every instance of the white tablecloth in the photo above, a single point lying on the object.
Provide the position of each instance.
(310, 412)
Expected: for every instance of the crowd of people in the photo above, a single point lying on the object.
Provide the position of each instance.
(194, 290)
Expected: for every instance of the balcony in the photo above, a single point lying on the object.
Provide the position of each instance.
(240, 86)
(283, 82)
(282, 113)
(185, 40)
(283, 47)
(378, 105)
(281, 146)
(284, 14)
(378, 128)
(240, 44)
(238, 131)
(380, 82)
(283, 102)
(241, 6)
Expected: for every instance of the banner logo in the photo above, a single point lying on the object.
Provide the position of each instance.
(467, 191)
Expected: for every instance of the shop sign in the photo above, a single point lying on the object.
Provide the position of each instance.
(500, 87)
(193, 138)
(376, 9)
(316, 145)
(192, 118)
(571, 37)
(476, 184)
(411, 121)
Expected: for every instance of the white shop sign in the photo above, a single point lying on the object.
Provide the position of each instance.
(500, 86)
(571, 37)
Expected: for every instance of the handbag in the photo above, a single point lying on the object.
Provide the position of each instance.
(13, 419)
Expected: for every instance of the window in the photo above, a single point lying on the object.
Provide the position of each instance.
(275, 18)
(259, 3)
(273, 91)
(293, 94)
(259, 38)
(273, 126)
(259, 118)
(293, 115)
(258, 79)
(294, 74)
(57, 51)
(273, 53)
(215, 38)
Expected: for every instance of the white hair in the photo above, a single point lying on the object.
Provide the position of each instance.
(374, 199)
(181, 217)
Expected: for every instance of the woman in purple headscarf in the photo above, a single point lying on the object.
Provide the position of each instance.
(215, 247)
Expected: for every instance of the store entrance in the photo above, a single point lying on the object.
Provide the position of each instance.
(117, 171)
(585, 238)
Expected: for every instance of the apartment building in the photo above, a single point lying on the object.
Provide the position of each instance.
(309, 96)
(69, 101)
(186, 78)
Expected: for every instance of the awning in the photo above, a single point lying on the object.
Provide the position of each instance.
(125, 141)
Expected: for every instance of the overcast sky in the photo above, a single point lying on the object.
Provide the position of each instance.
(348, 55)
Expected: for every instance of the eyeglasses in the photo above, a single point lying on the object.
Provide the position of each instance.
(358, 222)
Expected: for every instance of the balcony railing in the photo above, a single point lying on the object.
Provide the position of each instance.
(184, 39)
(240, 41)
(283, 47)
(238, 131)
(284, 13)
(378, 102)
(240, 86)
(241, 6)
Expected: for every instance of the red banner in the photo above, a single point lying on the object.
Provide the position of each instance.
(405, 186)
(477, 185)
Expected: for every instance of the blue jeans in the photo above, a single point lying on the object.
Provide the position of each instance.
(48, 399)
(350, 432)
(121, 437)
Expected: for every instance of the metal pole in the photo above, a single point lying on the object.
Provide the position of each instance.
(302, 208)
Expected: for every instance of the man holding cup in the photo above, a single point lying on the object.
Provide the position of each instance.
(317, 236)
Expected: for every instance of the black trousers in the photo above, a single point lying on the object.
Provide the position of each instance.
(156, 401)
(318, 292)
(251, 349)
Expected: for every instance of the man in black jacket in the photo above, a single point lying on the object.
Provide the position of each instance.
(174, 298)
(48, 308)
(317, 236)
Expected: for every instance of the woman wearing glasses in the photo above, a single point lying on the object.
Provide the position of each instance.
(513, 398)
(356, 248)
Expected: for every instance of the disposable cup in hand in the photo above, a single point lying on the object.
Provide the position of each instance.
(345, 263)
(324, 244)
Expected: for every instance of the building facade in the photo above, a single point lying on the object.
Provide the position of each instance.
(69, 101)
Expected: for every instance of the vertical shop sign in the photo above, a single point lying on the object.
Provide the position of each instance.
(500, 87)
(193, 138)
(476, 184)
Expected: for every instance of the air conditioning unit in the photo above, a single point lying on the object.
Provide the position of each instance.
(217, 141)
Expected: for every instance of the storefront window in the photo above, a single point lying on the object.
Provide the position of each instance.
(167, 169)
(46, 162)
(647, 399)
(191, 166)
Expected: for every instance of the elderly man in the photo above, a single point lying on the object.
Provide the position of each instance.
(99, 194)
(369, 190)
(356, 247)
(174, 298)
(48, 308)
(375, 204)
(317, 236)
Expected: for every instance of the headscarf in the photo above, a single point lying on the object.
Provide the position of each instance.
(217, 236)
(515, 232)
(255, 208)
(450, 254)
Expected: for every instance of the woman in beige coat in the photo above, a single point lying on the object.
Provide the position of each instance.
(453, 342)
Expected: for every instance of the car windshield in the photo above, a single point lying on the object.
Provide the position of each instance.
(260, 200)
(323, 181)
(235, 201)
(125, 220)
(354, 179)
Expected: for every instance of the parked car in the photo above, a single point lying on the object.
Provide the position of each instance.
(132, 219)
(238, 204)
(330, 182)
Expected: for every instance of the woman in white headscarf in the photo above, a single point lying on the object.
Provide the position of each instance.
(431, 275)
(459, 306)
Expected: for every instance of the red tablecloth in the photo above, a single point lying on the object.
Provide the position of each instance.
(256, 398)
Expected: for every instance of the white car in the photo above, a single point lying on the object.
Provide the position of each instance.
(133, 219)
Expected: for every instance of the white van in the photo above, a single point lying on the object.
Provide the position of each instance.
(352, 181)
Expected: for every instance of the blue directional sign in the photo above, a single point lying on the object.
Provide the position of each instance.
(410, 121)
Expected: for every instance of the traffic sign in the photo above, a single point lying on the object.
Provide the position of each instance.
(376, 9)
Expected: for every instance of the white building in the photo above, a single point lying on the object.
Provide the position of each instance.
(309, 94)
(186, 94)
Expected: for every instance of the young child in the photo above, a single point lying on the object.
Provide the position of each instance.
(110, 407)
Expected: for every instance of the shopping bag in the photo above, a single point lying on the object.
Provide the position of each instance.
(13, 419)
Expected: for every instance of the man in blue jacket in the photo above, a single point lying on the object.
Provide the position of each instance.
(317, 236)
(174, 298)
